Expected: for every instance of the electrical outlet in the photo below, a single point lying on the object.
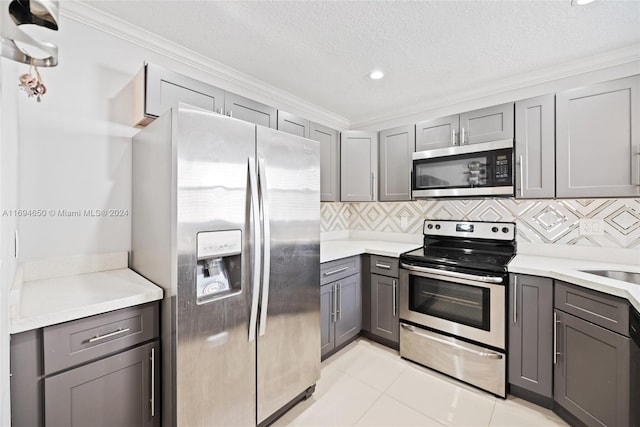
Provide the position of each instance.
(591, 227)
(403, 222)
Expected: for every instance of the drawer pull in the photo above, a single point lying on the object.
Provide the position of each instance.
(385, 266)
(340, 270)
(109, 335)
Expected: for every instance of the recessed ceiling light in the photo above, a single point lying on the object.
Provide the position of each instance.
(376, 75)
(580, 2)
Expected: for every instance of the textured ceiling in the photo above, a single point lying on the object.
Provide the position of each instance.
(323, 51)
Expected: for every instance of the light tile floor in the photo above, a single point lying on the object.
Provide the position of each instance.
(366, 384)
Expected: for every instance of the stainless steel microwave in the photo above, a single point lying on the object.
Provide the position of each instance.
(474, 170)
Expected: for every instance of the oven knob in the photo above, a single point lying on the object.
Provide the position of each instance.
(505, 230)
(494, 229)
(437, 226)
(430, 226)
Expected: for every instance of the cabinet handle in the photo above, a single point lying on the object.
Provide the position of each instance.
(521, 177)
(153, 382)
(331, 273)
(339, 300)
(373, 186)
(395, 293)
(386, 267)
(453, 137)
(515, 299)
(109, 335)
(555, 337)
(638, 154)
(334, 301)
(462, 137)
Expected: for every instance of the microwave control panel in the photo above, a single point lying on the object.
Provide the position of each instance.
(503, 171)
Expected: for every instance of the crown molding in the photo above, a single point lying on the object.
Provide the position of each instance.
(622, 56)
(88, 15)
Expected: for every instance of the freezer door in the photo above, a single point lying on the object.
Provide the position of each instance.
(289, 328)
(214, 357)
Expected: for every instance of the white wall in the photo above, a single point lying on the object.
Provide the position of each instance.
(8, 224)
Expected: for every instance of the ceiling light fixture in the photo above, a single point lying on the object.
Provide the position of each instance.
(376, 75)
(580, 2)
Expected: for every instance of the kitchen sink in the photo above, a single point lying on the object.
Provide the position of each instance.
(624, 276)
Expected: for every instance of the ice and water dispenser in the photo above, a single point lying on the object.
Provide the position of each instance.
(218, 265)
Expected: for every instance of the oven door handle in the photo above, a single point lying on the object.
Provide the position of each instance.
(484, 354)
(446, 274)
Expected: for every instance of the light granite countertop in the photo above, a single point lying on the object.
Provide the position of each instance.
(58, 290)
(567, 264)
(349, 244)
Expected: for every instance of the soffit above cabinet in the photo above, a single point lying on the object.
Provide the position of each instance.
(448, 51)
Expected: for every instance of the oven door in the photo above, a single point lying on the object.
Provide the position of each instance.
(461, 304)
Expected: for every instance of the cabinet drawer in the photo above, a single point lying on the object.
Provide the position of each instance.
(384, 265)
(338, 269)
(79, 341)
(601, 309)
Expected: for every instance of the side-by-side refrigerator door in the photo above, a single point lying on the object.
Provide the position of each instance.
(289, 325)
(215, 354)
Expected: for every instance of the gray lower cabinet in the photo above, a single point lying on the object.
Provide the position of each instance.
(157, 89)
(102, 370)
(395, 167)
(292, 124)
(329, 140)
(487, 124)
(592, 357)
(116, 391)
(437, 133)
(530, 362)
(340, 303)
(535, 148)
(251, 111)
(358, 166)
(385, 317)
(598, 140)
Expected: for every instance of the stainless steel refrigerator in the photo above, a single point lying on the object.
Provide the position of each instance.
(226, 219)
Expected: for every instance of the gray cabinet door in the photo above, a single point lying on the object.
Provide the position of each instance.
(349, 309)
(487, 124)
(327, 340)
(163, 88)
(295, 125)
(592, 372)
(384, 307)
(358, 166)
(530, 334)
(598, 140)
(246, 109)
(329, 161)
(121, 390)
(535, 148)
(396, 148)
(437, 133)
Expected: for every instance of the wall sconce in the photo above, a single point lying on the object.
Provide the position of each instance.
(20, 46)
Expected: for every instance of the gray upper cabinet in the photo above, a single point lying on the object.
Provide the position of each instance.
(329, 161)
(535, 148)
(598, 140)
(437, 133)
(530, 368)
(156, 89)
(358, 166)
(293, 124)
(246, 109)
(487, 124)
(396, 147)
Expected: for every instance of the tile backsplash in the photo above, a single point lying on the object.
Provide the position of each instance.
(537, 221)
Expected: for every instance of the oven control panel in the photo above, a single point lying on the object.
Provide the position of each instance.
(475, 229)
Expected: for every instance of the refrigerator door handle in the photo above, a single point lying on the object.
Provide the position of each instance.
(266, 235)
(255, 292)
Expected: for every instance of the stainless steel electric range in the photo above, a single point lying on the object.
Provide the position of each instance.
(453, 296)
